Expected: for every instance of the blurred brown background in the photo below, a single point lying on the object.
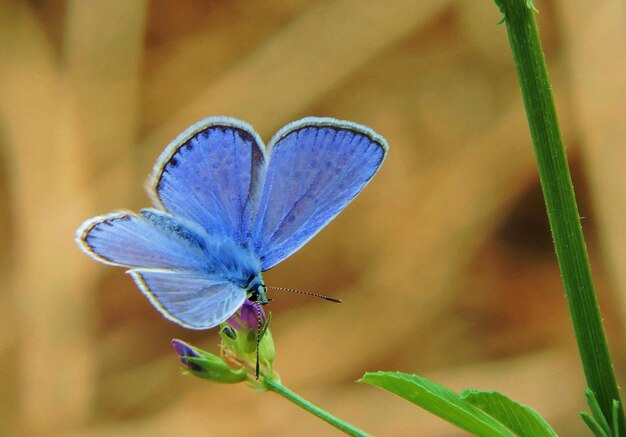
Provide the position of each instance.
(444, 262)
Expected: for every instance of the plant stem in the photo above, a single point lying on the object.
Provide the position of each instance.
(276, 387)
(560, 201)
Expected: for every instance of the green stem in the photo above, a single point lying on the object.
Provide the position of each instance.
(561, 203)
(276, 387)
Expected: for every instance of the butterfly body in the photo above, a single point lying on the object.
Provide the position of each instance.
(227, 208)
(256, 290)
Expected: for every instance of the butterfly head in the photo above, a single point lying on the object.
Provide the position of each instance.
(256, 290)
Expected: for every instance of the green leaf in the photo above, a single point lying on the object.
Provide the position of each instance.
(520, 419)
(595, 428)
(596, 421)
(615, 417)
(596, 413)
(440, 401)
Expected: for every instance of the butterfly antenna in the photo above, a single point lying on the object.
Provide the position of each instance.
(321, 296)
(258, 336)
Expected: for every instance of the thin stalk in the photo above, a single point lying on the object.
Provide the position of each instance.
(560, 202)
(276, 387)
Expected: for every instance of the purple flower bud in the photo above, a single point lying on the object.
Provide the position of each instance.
(206, 365)
(183, 350)
(248, 316)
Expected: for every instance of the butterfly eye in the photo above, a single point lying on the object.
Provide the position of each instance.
(256, 294)
(261, 290)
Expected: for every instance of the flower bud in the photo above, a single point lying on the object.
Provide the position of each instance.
(250, 316)
(206, 365)
(240, 333)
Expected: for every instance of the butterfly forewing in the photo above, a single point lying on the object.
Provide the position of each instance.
(210, 174)
(317, 166)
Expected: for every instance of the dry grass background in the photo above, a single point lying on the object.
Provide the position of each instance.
(444, 262)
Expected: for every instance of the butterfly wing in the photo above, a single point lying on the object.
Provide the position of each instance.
(129, 240)
(210, 175)
(317, 166)
(190, 278)
(191, 299)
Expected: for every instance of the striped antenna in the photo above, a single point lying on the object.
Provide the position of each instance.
(258, 336)
(321, 296)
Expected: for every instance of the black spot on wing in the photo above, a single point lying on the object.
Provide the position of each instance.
(245, 136)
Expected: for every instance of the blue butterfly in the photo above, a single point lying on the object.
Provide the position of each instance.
(227, 208)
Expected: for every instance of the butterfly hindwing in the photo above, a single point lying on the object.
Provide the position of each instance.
(317, 166)
(211, 175)
(191, 299)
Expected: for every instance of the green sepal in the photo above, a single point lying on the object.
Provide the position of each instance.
(215, 369)
(244, 343)
(267, 351)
